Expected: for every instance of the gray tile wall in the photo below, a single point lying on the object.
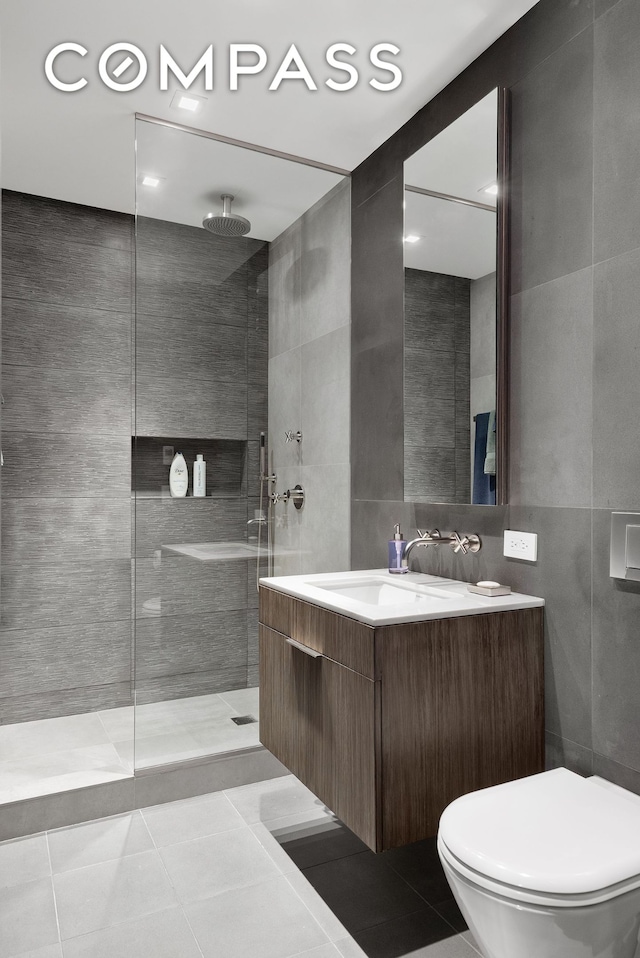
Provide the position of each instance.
(436, 387)
(201, 386)
(65, 635)
(309, 375)
(201, 365)
(572, 72)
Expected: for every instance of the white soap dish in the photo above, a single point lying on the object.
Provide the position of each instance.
(489, 588)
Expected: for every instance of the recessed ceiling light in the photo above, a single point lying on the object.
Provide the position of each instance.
(492, 188)
(152, 181)
(187, 102)
(412, 238)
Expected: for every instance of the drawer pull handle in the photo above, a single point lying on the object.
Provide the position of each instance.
(303, 648)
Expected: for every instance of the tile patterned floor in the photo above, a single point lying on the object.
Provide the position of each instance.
(58, 754)
(260, 871)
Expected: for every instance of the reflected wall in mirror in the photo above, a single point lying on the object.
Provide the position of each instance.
(450, 317)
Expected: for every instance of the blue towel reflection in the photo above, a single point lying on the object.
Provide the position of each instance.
(484, 485)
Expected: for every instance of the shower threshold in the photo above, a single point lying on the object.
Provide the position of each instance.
(76, 751)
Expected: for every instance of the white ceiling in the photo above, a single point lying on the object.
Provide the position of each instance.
(456, 239)
(195, 170)
(79, 146)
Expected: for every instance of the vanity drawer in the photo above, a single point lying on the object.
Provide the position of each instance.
(320, 719)
(337, 637)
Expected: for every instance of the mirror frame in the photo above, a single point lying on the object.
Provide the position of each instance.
(503, 287)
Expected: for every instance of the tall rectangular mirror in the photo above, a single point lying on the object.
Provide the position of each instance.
(454, 429)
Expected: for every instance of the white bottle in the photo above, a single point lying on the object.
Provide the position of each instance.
(178, 477)
(200, 477)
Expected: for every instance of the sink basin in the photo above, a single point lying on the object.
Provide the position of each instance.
(381, 592)
(377, 598)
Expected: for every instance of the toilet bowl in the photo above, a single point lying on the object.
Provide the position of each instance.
(546, 866)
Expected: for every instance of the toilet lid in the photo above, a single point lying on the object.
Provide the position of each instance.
(554, 832)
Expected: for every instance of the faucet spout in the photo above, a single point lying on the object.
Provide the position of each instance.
(458, 543)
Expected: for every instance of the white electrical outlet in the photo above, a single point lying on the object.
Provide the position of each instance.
(521, 545)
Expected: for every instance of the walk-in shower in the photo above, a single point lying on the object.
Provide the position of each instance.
(129, 618)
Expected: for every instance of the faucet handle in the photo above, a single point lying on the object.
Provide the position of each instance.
(458, 544)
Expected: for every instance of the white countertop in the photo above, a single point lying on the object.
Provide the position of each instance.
(377, 597)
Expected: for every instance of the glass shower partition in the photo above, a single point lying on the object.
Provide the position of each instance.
(204, 301)
(200, 390)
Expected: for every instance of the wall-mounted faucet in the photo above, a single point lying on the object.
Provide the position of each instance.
(458, 543)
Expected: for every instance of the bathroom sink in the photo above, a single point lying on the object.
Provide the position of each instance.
(380, 592)
(376, 597)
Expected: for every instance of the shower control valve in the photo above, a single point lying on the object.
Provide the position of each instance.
(291, 436)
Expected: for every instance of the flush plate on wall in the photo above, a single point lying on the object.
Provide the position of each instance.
(624, 557)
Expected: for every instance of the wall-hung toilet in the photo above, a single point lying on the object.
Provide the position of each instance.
(546, 866)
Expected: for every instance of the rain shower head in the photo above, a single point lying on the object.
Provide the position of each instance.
(224, 224)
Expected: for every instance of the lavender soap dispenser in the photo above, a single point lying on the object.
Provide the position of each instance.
(396, 550)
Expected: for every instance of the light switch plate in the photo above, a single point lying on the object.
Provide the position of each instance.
(521, 545)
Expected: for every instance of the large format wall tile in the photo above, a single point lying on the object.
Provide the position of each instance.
(196, 643)
(37, 661)
(325, 266)
(324, 545)
(325, 396)
(616, 131)
(35, 268)
(285, 401)
(377, 443)
(551, 216)
(64, 464)
(551, 388)
(377, 291)
(74, 701)
(616, 655)
(64, 400)
(430, 421)
(429, 310)
(164, 522)
(187, 586)
(284, 292)
(61, 222)
(37, 595)
(66, 337)
(65, 529)
(429, 473)
(616, 384)
(188, 273)
(171, 406)
(192, 348)
(562, 576)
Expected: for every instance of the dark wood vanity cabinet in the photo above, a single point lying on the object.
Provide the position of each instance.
(388, 725)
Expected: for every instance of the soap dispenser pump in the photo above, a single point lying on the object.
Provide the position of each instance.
(396, 551)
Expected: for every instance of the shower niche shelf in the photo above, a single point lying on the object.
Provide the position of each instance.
(226, 466)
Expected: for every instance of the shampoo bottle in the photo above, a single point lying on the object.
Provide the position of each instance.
(178, 477)
(396, 548)
(200, 477)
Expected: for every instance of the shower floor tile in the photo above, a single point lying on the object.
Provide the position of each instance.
(74, 751)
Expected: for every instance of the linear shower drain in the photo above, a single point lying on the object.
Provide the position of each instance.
(243, 719)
